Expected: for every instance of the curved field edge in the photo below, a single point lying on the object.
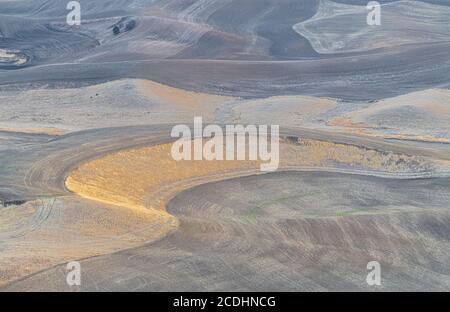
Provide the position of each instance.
(146, 178)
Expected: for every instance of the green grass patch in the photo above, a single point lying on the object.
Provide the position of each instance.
(254, 212)
(346, 213)
(442, 182)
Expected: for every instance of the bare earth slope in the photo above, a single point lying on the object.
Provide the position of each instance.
(231, 47)
(85, 167)
(285, 239)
